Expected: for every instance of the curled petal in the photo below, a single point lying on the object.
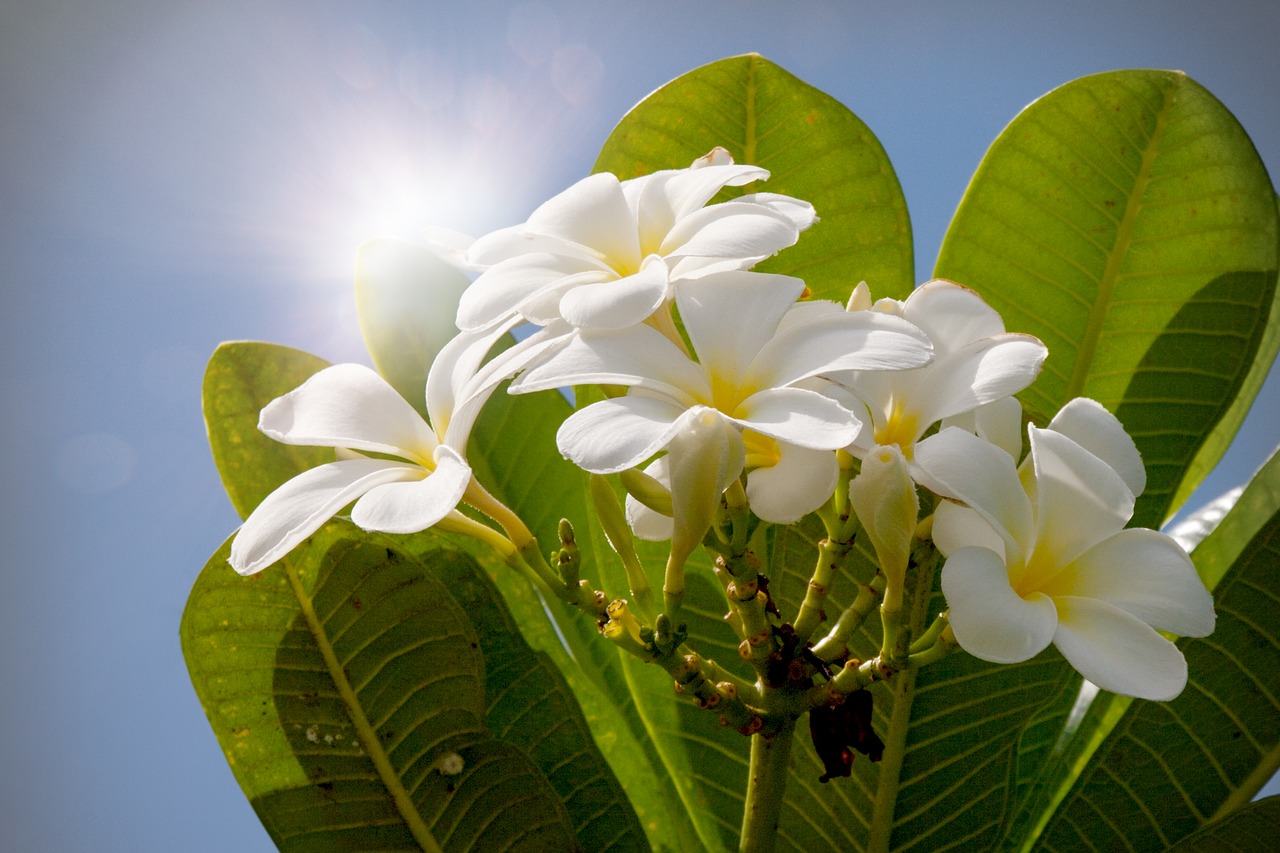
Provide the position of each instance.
(748, 232)
(1144, 573)
(801, 213)
(976, 373)
(1118, 651)
(1090, 425)
(507, 287)
(297, 509)
(649, 523)
(618, 303)
(799, 483)
(639, 356)
(958, 465)
(989, 619)
(348, 405)
(611, 435)
(951, 314)
(799, 417)
(408, 507)
(594, 213)
(839, 341)
(705, 456)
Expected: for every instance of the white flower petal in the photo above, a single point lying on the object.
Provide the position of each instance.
(833, 343)
(503, 289)
(705, 455)
(687, 190)
(1090, 425)
(297, 509)
(998, 422)
(611, 435)
(951, 314)
(348, 405)
(958, 465)
(639, 356)
(990, 620)
(1144, 573)
(618, 303)
(646, 523)
(800, 417)
(408, 507)
(798, 484)
(594, 213)
(976, 373)
(956, 527)
(728, 316)
(1080, 500)
(730, 230)
(1118, 651)
(801, 213)
(511, 242)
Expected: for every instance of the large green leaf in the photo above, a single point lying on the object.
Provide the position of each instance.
(341, 684)
(1168, 769)
(1126, 220)
(1220, 439)
(1247, 830)
(814, 148)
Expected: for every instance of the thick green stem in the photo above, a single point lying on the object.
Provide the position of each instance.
(770, 755)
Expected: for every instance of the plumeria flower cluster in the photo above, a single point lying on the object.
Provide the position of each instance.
(729, 391)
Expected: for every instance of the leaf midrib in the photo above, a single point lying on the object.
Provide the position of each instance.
(1111, 272)
(364, 730)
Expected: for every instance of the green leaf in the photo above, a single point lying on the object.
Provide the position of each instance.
(531, 706)
(1168, 769)
(1220, 439)
(241, 378)
(814, 148)
(1126, 220)
(347, 690)
(1254, 827)
(407, 298)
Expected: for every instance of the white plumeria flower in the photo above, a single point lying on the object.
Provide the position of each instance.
(352, 408)
(1040, 555)
(738, 405)
(976, 368)
(607, 253)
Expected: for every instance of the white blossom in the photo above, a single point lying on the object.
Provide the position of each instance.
(607, 254)
(353, 409)
(738, 404)
(1040, 555)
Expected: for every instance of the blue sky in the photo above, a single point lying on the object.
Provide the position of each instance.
(176, 174)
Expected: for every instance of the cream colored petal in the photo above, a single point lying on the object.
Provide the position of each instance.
(1144, 573)
(990, 620)
(297, 509)
(1118, 651)
(802, 481)
(407, 507)
(1089, 424)
(349, 405)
